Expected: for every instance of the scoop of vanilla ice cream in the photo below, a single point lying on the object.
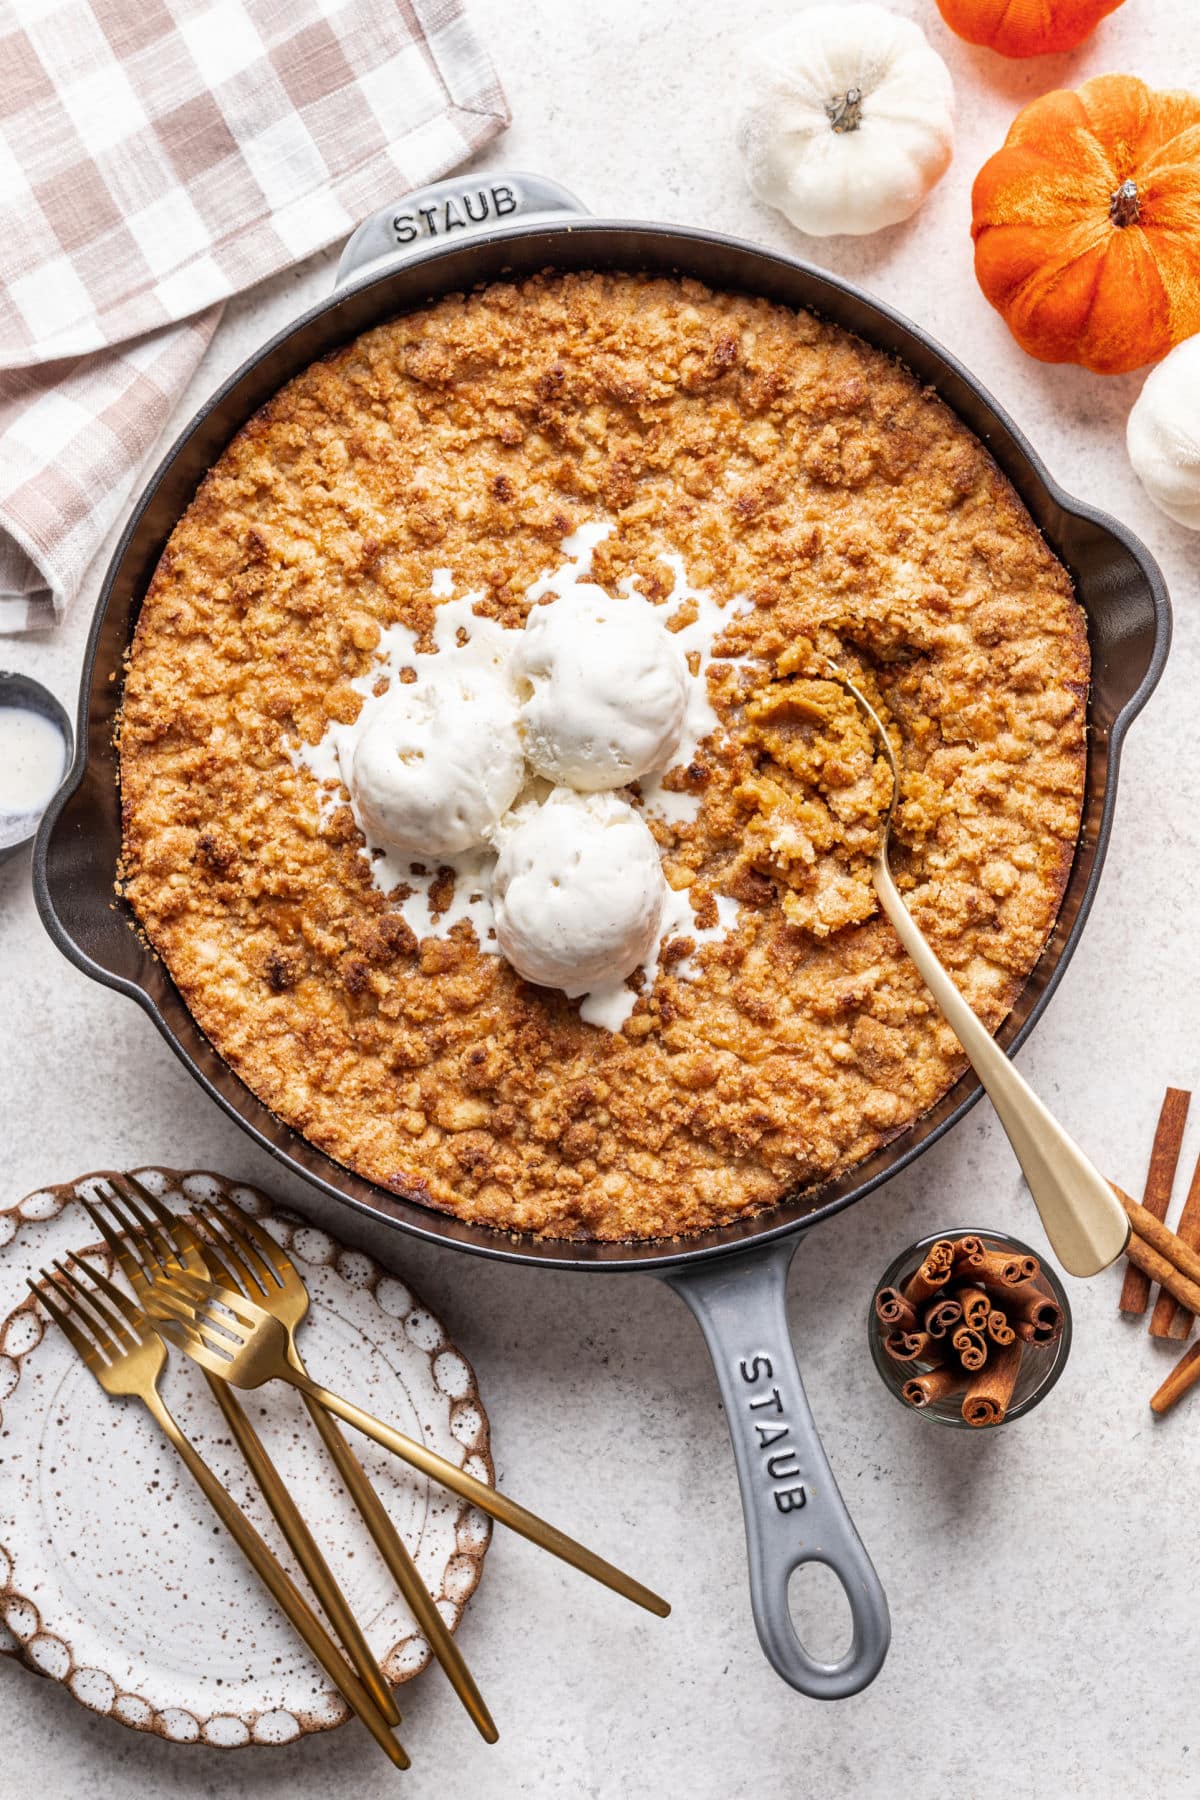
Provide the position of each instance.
(440, 760)
(578, 891)
(605, 688)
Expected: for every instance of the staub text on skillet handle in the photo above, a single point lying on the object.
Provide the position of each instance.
(450, 211)
(794, 1512)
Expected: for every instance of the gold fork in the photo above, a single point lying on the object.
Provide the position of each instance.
(130, 1251)
(123, 1350)
(243, 1258)
(236, 1338)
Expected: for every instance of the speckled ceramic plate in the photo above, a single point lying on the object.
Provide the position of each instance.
(115, 1577)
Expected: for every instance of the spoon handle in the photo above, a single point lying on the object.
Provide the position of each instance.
(1085, 1222)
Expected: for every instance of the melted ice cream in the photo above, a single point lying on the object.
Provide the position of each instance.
(470, 651)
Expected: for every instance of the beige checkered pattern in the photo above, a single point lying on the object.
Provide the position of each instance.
(157, 156)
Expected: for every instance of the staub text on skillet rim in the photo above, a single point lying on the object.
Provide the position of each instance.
(733, 1278)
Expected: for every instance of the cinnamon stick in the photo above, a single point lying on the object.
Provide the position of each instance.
(1000, 1271)
(970, 1347)
(1036, 1317)
(990, 1389)
(966, 1308)
(1041, 1332)
(1185, 1373)
(908, 1346)
(936, 1384)
(966, 1250)
(1169, 1319)
(932, 1275)
(941, 1316)
(1160, 1176)
(894, 1311)
(1152, 1263)
(1158, 1236)
(975, 1307)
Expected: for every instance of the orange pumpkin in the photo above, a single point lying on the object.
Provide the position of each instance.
(1025, 27)
(1087, 224)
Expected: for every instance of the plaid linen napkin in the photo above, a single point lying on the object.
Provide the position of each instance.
(157, 156)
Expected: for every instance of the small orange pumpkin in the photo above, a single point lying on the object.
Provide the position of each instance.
(1025, 27)
(1087, 224)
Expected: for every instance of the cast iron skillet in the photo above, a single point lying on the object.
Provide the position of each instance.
(446, 239)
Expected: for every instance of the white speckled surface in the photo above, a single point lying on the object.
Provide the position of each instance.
(1042, 1581)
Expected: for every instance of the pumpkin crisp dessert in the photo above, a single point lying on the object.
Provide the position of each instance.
(484, 790)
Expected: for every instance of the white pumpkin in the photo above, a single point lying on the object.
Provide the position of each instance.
(1163, 434)
(850, 121)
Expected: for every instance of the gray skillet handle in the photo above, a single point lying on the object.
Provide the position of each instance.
(447, 212)
(794, 1512)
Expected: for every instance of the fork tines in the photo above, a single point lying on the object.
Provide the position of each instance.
(248, 1252)
(97, 1319)
(140, 1216)
(245, 1254)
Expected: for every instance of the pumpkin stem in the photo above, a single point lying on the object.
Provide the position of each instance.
(845, 110)
(1124, 208)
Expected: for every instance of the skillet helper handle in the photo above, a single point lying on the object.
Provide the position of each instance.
(451, 212)
(794, 1512)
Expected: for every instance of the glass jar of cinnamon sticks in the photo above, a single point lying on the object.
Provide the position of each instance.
(969, 1328)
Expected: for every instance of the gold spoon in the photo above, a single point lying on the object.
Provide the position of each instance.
(1085, 1222)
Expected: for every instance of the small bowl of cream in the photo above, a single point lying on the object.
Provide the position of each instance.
(35, 754)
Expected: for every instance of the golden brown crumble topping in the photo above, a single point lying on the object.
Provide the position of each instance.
(783, 460)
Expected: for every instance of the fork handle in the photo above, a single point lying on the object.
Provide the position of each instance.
(304, 1548)
(403, 1569)
(487, 1499)
(281, 1587)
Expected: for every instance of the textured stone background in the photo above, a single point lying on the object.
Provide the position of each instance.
(1042, 1581)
